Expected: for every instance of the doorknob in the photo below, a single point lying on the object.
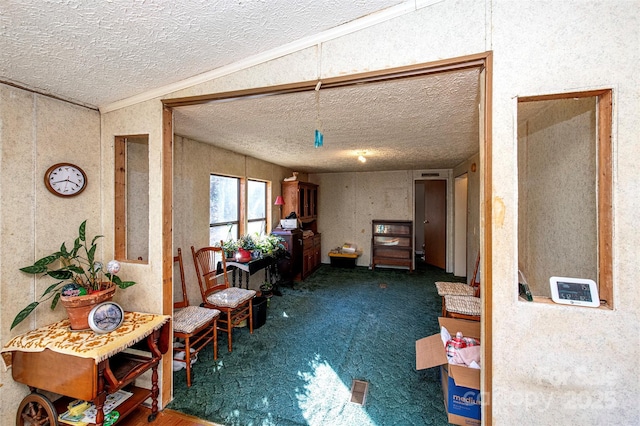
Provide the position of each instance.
(426, 221)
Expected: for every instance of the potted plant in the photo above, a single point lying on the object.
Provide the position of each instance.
(266, 289)
(270, 245)
(246, 245)
(230, 246)
(81, 280)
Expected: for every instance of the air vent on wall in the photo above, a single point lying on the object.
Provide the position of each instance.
(431, 175)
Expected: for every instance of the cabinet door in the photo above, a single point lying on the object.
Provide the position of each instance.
(317, 251)
(313, 202)
(307, 262)
(302, 201)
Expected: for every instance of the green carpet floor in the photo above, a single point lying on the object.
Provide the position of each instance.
(336, 326)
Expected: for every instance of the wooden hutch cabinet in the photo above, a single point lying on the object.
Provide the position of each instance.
(391, 243)
(302, 198)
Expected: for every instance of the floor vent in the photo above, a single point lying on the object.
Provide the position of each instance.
(359, 391)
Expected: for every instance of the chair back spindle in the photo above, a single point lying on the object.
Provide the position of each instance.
(185, 299)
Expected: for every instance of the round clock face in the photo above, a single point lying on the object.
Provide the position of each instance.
(106, 317)
(65, 179)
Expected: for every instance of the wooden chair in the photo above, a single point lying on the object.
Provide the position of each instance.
(464, 307)
(234, 303)
(460, 289)
(193, 324)
(464, 303)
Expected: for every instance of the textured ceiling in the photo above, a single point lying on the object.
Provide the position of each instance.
(99, 52)
(407, 124)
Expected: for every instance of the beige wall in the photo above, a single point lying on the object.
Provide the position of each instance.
(142, 119)
(194, 162)
(349, 201)
(35, 133)
(558, 364)
(473, 210)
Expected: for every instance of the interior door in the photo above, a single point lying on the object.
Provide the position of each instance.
(435, 222)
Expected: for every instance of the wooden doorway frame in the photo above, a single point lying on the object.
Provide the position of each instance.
(483, 61)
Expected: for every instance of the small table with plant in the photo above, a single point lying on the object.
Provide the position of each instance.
(265, 251)
(251, 267)
(87, 367)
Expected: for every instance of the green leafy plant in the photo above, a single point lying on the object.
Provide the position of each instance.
(247, 242)
(270, 245)
(76, 266)
(230, 246)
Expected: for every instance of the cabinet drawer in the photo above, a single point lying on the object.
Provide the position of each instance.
(307, 243)
(391, 253)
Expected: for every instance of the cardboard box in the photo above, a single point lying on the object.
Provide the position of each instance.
(460, 384)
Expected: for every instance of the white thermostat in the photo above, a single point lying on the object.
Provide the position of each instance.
(574, 291)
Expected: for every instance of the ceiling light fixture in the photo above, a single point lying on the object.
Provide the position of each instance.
(362, 159)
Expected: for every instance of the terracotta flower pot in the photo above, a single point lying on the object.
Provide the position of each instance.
(78, 307)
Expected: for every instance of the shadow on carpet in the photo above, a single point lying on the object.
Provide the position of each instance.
(336, 326)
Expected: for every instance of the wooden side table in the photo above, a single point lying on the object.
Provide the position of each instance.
(343, 259)
(87, 366)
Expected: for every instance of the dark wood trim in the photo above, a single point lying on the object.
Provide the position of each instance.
(167, 243)
(120, 191)
(555, 96)
(605, 198)
(242, 205)
(486, 245)
(49, 95)
(410, 71)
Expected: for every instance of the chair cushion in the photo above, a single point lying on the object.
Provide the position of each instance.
(189, 319)
(467, 305)
(459, 289)
(230, 297)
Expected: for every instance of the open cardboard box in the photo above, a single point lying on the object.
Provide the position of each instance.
(460, 384)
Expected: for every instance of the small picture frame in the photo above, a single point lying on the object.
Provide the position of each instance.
(574, 291)
(106, 317)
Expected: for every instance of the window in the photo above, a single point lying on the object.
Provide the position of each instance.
(565, 216)
(256, 207)
(224, 208)
(227, 207)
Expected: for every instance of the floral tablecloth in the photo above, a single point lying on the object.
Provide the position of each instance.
(58, 337)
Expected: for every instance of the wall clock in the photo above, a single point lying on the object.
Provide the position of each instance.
(65, 179)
